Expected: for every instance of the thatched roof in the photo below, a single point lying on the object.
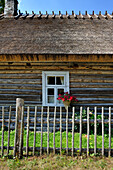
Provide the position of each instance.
(59, 35)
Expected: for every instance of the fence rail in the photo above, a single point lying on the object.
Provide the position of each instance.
(82, 123)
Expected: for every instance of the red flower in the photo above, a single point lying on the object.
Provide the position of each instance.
(66, 97)
(59, 98)
(66, 92)
(71, 98)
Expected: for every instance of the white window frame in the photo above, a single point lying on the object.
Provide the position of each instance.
(45, 86)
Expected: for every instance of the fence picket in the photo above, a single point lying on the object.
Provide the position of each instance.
(16, 129)
(34, 144)
(27, 137)
(67, 121)
(80, 145)
(109, 153)
(67, 130)
(9, 131)
(88, 131)
(102, 131)
(54, 130)
(21, 135)
(41, 131)
(73, 125)
(95, 131)
(48, 130)
(60, 130)
(2, 146)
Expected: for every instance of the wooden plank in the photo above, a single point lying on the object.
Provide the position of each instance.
(76, 121)
(35, 118)
(59, 62)
(48, 130)
(73, 126)
(19, 90)
(16, 131)
(41, 131)
(44, 66)
(91, 72)
(81, 64)
(54, 126)
(9, 122)
(23, 94)
(52, 68)
(80, 145)
(92, 89)
(99, 150)
(95, 132)
(21, 81)
(87, 131)
(20, 71)
(27, 137)
(91, 95)
(2, 144)
(72, 81)
(19, 85)
(21, 134)
(102, 131)
(60, 130)
(91, 85)
(67, 131)
(56, 58)
(109, 152)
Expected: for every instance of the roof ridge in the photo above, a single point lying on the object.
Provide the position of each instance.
(60, 15)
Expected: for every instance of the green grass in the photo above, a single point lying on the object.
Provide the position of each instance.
(57, 139)
(54, 162)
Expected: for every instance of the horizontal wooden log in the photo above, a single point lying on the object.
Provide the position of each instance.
(52, 57)
(17, 86)
(44, 149)
(70, 66)
(92, 89)
(23, 89)
(21, 76)
(87, 80)
(30, 63)
(91, 85)
(27, 97)
(39, 75)
(21, 81)
(10, 102)
(74, 75)
(60, 68)
(20, 92)
(51, 120)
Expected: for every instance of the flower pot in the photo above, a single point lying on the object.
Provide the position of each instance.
(66, 104)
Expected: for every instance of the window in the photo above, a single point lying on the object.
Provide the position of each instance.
(53, 84)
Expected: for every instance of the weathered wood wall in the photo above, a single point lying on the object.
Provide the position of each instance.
(91, 77)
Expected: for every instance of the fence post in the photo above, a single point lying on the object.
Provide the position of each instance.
(18, 144)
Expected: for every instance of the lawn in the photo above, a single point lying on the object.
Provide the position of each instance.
(57, 162)
(57, 139)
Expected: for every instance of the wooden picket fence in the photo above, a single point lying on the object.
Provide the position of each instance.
(20, 122)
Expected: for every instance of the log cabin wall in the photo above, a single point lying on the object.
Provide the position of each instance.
(91, 77)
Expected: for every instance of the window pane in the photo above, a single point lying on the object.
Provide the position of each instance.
(51, 80)
(50, 91)
(60, 80)
(60, 91)
(50, 99)
(50, 95)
